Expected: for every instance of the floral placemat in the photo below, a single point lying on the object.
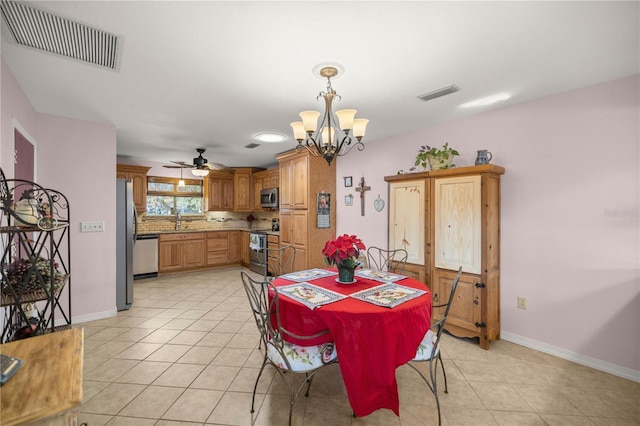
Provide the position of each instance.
(382, 276)
(308, 275)
(388, 295)
(310, 295)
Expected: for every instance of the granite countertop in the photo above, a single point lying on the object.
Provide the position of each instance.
(184, 231)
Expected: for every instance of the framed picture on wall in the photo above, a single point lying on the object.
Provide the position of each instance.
(348, 200)
(348, 181)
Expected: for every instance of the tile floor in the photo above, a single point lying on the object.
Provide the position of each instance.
(186, 354)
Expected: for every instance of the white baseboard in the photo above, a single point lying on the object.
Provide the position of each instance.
(607, 367)
(94, 316)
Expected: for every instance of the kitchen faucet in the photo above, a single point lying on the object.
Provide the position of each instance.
(178, 217)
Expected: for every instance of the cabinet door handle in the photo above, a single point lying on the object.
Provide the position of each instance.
(435, 297)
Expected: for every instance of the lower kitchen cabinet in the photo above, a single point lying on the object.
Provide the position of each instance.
(235, 246)
(181, 251)
(293, 232)
(244, 249)
(223, 247)
(273, 243)
(217, 248)
(196, 250)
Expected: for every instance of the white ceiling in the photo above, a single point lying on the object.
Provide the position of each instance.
(212, 74)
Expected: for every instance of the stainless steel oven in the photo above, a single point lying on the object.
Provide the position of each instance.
(257, 258)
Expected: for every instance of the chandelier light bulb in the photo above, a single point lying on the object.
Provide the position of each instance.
(360, 127)
(310, 120)
(298, 130)
(346, 117)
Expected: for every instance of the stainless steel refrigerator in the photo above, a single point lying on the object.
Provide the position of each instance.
(126, 230)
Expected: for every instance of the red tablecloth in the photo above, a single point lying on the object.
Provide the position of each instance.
(371, 341)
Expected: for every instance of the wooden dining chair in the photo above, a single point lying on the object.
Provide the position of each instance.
(429, 348)
(288, 359)
(381, 259)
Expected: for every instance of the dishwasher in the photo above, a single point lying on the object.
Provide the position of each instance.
(145, 256)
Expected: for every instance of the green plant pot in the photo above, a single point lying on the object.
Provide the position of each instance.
(345, 274)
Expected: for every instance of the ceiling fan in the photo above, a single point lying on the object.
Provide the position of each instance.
(201, 165)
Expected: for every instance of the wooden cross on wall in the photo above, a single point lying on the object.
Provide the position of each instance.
(361, 189)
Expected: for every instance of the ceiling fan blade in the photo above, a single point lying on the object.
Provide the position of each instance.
(218, 166)
(182, 164)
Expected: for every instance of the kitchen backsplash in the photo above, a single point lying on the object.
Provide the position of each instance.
(211, 221)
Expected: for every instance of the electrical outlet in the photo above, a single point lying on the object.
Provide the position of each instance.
(91, 226)
(522, 303)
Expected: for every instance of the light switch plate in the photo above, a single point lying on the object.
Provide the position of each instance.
(91, 226)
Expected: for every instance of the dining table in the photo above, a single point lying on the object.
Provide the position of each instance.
(376, 323)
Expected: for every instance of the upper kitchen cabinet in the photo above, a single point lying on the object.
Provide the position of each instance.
(294, 179)
(137, 174)
(243, 189)
(265, 179)
(220, 191)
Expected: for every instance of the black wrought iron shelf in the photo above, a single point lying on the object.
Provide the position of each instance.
(35, 242)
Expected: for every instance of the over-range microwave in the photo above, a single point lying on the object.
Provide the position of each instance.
(269, 198)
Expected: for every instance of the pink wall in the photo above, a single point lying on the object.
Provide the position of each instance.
(570, 228)
(570, 198)
(78, 159)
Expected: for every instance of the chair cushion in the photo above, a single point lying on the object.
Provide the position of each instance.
(302, 358)
(426, 346)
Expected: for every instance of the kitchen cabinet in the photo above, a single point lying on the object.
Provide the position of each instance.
(295, 178)
(242, 190)
(462, 228)
(294, 232)
(273, 243)
(217, 248)
(257, 187)
(220, 191)
(244, 249)
(137, 174)
(235, 246)
(305, 176)
(223, 247)
(264, 180)
(271, 179)
(181, 251)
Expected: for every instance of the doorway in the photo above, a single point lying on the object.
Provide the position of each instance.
(23, 157)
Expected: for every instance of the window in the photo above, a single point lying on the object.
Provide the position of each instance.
(165, 197)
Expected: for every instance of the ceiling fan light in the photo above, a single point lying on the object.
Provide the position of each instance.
(200, 172)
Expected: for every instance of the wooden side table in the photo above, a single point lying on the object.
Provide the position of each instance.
(47, 389)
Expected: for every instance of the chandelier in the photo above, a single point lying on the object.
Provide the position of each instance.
(327, 140)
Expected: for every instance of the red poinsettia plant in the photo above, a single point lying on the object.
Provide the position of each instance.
(343, 251)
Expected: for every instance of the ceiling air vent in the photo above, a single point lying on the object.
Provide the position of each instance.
(440, 92)
(42, 30)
